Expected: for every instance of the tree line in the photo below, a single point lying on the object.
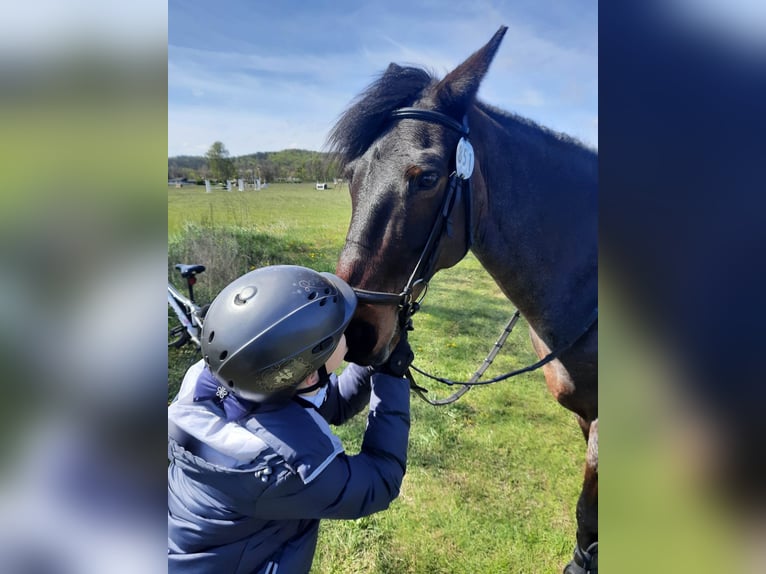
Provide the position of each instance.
(291, 165)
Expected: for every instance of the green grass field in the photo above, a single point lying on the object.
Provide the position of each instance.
(493, 479)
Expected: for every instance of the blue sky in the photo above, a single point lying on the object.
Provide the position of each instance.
(266, 76)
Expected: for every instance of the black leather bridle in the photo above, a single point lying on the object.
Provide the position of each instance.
(458, 187)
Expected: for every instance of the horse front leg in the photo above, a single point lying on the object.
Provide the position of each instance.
(581, 399)
(585, 560)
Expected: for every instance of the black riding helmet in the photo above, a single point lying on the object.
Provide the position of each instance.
(271, 328)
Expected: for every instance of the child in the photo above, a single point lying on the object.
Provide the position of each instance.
(254, 464)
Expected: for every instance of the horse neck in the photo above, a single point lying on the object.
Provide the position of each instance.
(536, 220)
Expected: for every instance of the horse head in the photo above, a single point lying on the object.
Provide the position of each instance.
(400, 166)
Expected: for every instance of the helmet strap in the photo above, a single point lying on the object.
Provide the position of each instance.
(324, 380)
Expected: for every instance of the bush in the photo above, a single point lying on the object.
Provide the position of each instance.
(230, 251)
(227, 253)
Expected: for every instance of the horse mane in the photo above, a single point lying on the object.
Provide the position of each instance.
(399, 86)
(368, 114)
(515, 122)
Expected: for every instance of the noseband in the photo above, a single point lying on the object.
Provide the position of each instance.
(459, 186)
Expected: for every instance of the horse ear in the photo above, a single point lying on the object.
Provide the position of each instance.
(458, 88)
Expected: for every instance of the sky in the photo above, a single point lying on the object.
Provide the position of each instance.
(266, 76)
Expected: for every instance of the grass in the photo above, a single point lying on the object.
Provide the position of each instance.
(493, 479)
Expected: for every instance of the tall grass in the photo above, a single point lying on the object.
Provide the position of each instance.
(493, 479)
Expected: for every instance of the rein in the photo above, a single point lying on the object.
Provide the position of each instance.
(459, 186)
(475, 382)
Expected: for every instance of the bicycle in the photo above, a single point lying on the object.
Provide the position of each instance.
(189, 315)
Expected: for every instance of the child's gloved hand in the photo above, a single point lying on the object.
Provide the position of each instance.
(400, 358)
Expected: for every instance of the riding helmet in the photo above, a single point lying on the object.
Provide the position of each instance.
(268, 330)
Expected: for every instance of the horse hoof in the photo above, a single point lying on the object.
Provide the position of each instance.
(584, 562)
(574, 568)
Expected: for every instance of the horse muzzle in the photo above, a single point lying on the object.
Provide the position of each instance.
(369, 334)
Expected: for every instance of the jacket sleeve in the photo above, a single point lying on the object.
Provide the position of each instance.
(347, 394)
(352, 486)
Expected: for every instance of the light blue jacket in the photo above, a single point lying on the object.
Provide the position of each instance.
(247, 496)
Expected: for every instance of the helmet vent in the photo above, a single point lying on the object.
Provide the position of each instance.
(312, 295)
(323, 302)
(335, 299)
(245, 295)
(211, 336)
(323, 346)
(223, 355)
(230, 383)
(326, 290)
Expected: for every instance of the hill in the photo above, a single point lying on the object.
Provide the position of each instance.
(280, 166)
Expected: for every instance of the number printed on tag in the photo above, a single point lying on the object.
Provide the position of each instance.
(464, 159)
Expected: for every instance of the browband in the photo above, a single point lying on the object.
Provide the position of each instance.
(430, 116)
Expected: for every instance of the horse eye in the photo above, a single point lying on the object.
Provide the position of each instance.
(427, 180)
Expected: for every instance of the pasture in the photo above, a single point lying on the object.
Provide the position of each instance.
(493, 479)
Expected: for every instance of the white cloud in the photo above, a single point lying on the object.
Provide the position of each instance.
(195, 129)
(289, 96)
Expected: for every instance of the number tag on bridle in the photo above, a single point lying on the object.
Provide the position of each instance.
(464, 159)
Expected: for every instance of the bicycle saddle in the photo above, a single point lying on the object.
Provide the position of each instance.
(189, 270)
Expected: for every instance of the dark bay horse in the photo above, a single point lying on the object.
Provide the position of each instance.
(522, 198)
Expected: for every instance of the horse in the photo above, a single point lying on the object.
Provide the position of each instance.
(434, 172)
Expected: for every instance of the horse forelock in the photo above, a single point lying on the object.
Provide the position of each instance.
(366, 118)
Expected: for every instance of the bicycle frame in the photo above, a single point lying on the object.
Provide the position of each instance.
(188, 314)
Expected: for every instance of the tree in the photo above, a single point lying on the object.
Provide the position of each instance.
(221, 164)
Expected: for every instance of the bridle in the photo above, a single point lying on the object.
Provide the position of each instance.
(458, 187)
